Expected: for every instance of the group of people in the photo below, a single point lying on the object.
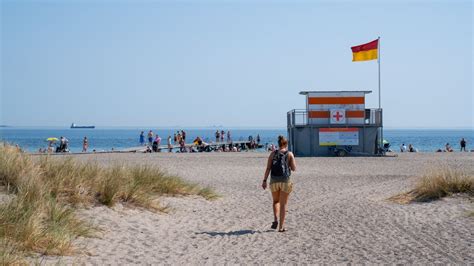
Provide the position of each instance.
(411, 148)
(254, 143)
(63, 146)
(152, 141)
(220, 135)
(151, 137)
(179, 137)
(448, 148)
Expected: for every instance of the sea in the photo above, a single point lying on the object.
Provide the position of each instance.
(105, 139)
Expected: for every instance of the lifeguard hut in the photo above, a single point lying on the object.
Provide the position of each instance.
(335, 122)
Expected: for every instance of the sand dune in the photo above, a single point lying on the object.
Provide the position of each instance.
(338, 213)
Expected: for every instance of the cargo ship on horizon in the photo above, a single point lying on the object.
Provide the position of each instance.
(73, 125)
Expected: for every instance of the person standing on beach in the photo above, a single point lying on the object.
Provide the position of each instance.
(229, 139)
(217, 135)
(142, 139)
(63, 144)
(179, 137)
(158, 142)
(170, 148)
(85, 144)
(222, 135)
(280, 164)
(183, 135)
(463, 144)
(150, 137)
(258, 139)
(182, 145)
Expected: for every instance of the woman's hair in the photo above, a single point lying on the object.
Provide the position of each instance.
(282, 141)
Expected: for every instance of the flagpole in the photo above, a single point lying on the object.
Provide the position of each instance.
(378, 60)
(380, 96)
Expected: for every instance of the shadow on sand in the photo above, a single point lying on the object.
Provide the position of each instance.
(231, 233)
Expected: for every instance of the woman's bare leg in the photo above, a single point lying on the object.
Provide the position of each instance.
(283, 204)
(276, 205)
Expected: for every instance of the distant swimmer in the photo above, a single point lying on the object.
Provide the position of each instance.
(463, 144)
(280, 164)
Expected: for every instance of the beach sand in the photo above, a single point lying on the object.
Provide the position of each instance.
(338, 213)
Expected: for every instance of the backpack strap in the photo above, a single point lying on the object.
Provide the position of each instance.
(275, 154)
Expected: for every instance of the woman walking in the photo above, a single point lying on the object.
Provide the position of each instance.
(280, 164)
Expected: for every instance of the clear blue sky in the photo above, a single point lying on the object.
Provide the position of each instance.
(231, 63)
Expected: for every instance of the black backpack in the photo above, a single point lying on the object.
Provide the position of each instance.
(280, 169)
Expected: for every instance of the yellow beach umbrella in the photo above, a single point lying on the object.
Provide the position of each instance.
(52, 139)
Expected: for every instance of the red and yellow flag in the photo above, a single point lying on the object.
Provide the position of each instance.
(365, 52)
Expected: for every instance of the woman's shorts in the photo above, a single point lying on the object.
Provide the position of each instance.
(286, 187)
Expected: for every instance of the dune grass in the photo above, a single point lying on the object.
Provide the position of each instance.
(40, 217)
(438, 183)
(10, 254)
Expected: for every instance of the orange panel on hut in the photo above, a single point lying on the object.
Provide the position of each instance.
(335, 107)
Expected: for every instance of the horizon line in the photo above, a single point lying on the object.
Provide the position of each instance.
(221, 127)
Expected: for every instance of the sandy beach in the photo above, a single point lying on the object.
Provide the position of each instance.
(338, 213)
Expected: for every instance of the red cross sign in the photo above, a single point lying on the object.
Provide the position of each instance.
(338, 116)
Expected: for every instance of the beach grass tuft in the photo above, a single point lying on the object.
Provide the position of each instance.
(438, 183)
(40, 216)
(208, 193)
(13, 166)
(10, 253)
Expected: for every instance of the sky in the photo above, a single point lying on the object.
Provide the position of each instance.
(230, 63)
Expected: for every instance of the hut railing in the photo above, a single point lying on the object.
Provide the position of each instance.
(299, 117)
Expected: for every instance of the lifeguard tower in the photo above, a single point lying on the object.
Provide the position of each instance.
(335, 123)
